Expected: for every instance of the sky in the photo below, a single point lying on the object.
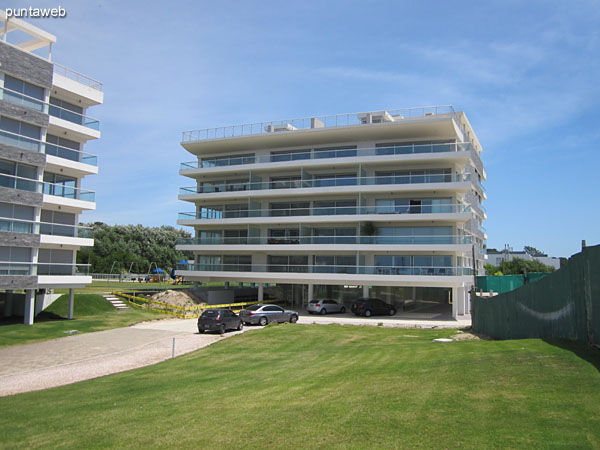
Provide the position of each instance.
(526, 73)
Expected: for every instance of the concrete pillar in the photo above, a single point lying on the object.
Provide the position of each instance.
(365, 291)
(29, 307)
(261, 292)
(8, 302)
(71, 303)
(311, 293)
(414, 294)
(460, 301)
(454, 302)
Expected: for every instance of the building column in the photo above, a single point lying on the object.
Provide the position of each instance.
(8, 302)
(454, 302)
(365, 291)
(261, 292)
(414, 293)
(29, 307)
(311, 293)
(71, 303)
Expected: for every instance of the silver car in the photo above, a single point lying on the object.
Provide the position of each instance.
(325, 306)
(263, 314)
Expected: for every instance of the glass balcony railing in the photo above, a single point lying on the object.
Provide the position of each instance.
(220, 212)
(359, 270)
(53, 229)
(35, 104)
(35, 145)
(24, 268)
(326, 154)
(324, 182)
(317, 240)
(61, 190)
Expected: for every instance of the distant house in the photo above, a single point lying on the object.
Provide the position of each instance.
(495, 257)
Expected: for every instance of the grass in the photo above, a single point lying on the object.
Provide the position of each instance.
(332, 386)
(92, 312)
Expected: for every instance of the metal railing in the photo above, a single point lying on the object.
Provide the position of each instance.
(76, 76)
(36, 145)
(48, 108)
(47, 228)
(319, 240)
(23, 268)
(208, 188)
(339, 269)
(327, 121)
(219, 212)
(324, 154)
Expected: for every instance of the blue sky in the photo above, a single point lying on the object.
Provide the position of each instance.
(527, 74)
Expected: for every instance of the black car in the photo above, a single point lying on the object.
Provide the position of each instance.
(219, 320)
(372, 307)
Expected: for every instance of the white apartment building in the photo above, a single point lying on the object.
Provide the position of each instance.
(44, 126)
(385, 204)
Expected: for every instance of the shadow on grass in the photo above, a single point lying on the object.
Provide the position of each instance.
(44, 316)
(585, 352)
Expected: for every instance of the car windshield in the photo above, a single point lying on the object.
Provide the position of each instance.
(253, 307)
(314, 301)
(210, 313)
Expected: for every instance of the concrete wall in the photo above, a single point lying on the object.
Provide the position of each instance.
(25, 66)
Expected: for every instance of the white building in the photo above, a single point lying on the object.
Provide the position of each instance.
(495, 257)
(44, 125)
(381, 203)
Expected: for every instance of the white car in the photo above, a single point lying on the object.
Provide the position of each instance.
(325, 306)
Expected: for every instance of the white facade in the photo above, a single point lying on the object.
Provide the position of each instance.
(382, 198)
(495, 258)
(44, 126)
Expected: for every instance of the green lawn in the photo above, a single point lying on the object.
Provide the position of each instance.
(311, 386)
(92, 312)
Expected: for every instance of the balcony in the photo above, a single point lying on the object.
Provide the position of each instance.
(317, 122)
(25, 268)
(35, 145)
(329, 269)
(78, 77)
(58, 190)
(335, 240)
(209, 188)
(46, 228)
(47, 108)
(219, 212)
(328, 154)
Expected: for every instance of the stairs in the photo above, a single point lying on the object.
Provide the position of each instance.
(116, 302)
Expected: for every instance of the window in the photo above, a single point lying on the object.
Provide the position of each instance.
(347, 179)
(291, 155)
(335, 152)
(334, 235)
(404, 148)
(285, 182)
(59, 185)
(18, 176)
(236, 236)
(228, 160)
(19, 134)
(414, 206)
(334, 264)
(283, 263)
(63, 148)
(57, 223)
(237, 263)
(289, 209)
(414, 176)
(66, 111)
(23, 214)
(414, 235)
(284, 236)
(55, 262)
(272, 309)
(22, 93)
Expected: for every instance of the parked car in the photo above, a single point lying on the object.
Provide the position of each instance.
(372, 307)
(263, 314)
(325, 306)
(219, 320)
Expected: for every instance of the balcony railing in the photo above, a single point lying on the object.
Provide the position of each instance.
(339, 153)
(315, 122)
(26, 101)
(76, 76)
(324, 182)
(219, 212)
(18, 268)
(318, 240)
(361, 270)
(53, 229)
(35, 145)
(55, 189)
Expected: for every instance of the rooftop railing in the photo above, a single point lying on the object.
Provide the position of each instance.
(26, 101)
(319, 240)
(60, 269)
(208, 188)
(315, 122)
(220, 212)
(76, 76)
(324, 154)
(340, 269)
(36, 145)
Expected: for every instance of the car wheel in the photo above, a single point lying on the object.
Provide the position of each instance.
(294, 318)
(368, 313)
(200, 331)
(392, 312)
(262, 321)
(240, 326)
(343, 310)
(323, 311)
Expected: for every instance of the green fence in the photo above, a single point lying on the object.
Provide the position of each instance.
(564, 304)
(507, 283)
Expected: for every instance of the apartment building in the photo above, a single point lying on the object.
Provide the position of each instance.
(380, 203)
(44, 125)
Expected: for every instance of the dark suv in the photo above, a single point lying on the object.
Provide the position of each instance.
(219, 320)
(372, 307)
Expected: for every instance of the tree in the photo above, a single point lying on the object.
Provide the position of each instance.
(532, 251)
